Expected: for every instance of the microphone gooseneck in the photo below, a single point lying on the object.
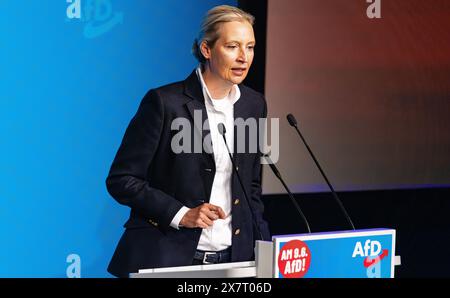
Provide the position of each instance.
(222, 131)
(293, 122)
(291, 196)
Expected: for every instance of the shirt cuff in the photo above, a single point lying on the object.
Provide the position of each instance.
(177, 218)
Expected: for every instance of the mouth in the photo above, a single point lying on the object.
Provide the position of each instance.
(238, 71)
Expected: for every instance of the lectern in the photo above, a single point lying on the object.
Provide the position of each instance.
(341, 254)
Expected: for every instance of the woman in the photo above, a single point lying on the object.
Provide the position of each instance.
(186, 207)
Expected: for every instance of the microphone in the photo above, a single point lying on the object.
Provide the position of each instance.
(222, 131)
(293, 122)
(277, 173)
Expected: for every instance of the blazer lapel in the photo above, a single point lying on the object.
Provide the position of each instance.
(197, 110)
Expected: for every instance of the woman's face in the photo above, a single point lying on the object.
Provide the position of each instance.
(232, 54)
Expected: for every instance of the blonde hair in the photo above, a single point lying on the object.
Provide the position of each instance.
(210, 26)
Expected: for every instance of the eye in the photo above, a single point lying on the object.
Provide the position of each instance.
(251, 47)
(232, 46)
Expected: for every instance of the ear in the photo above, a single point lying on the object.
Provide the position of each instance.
(205, 49)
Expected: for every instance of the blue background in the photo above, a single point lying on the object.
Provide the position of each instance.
(65, 101)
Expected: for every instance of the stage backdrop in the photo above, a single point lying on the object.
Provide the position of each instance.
(369, 83)
(72, 74)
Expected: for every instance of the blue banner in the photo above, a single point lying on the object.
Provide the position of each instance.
(72, 73)
(355, 254)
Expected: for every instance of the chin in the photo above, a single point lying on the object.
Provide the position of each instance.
(238, 80)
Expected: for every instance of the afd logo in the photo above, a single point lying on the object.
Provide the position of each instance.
(97, 15)
(372, 253)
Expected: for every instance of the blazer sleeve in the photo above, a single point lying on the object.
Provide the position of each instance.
(256, 192)
(127, 179)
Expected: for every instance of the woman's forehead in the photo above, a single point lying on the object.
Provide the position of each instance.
(236, 31)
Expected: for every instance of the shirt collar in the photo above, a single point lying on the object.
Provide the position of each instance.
(232, 97)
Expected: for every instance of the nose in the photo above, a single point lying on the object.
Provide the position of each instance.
(242, 55)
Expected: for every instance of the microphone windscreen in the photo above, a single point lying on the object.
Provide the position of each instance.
(291, 119)
(221, 128)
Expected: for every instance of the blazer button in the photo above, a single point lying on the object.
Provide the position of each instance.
(236, 202)
(237, 232)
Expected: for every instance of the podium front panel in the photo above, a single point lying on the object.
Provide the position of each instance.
(356, 254)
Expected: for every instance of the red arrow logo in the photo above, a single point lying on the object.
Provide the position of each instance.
(370, 262)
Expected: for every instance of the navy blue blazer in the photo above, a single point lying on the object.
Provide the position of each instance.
(155, 182)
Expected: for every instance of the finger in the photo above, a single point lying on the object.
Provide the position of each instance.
(201, 224)
(206, 220)
(212, 215)
(221, 213)
(210, 211)
(217, 210)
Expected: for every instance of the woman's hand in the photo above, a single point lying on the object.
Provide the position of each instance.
(202, 216)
